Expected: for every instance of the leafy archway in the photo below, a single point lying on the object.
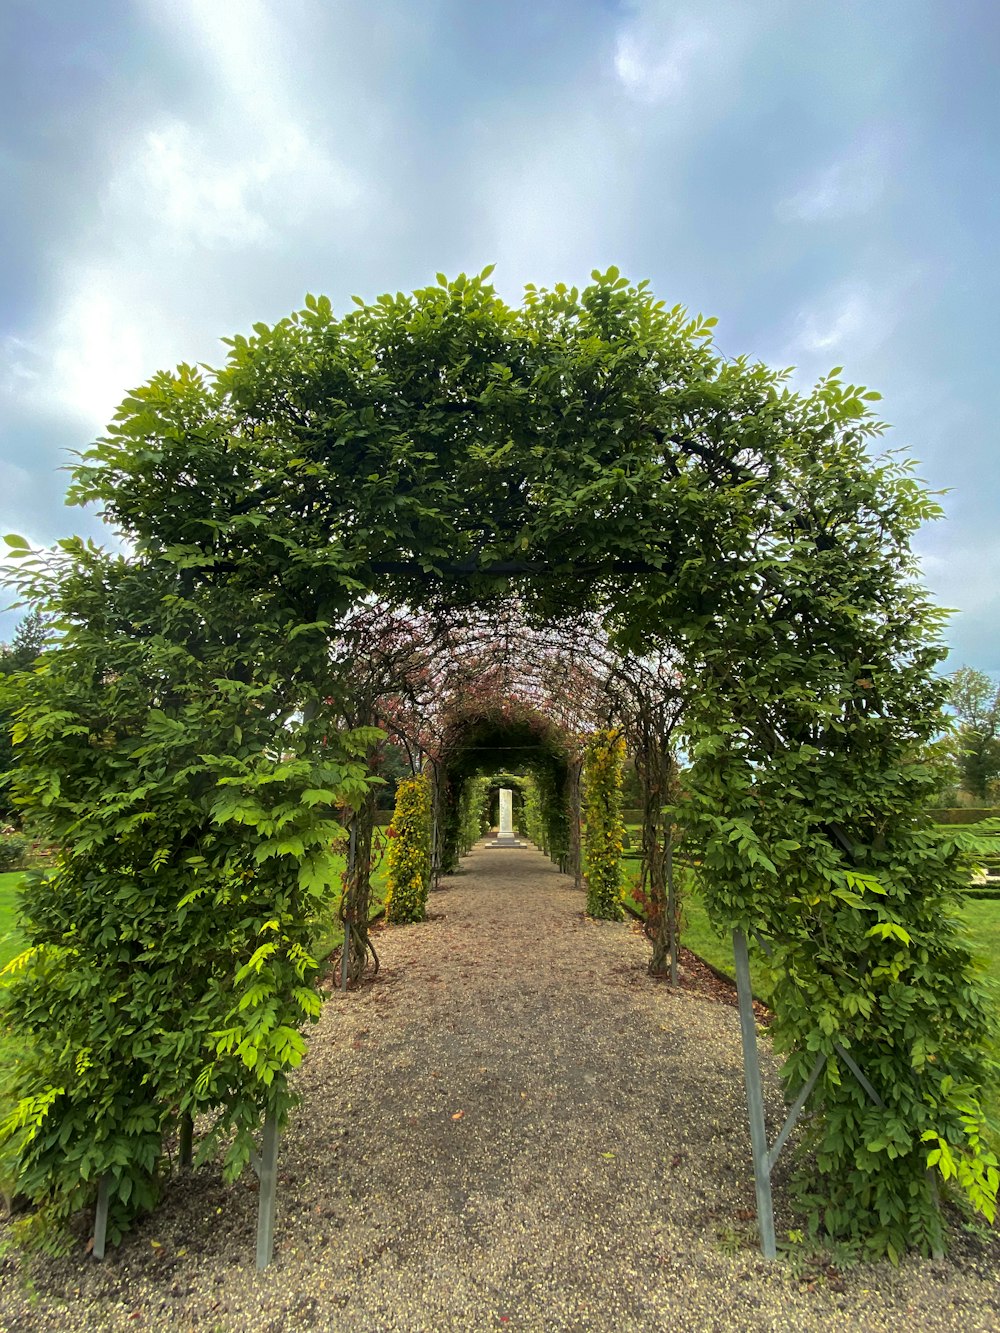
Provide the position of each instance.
(182, 746)
(513, 738)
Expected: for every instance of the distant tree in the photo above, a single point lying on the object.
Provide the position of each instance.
(391, 764)
(27, 643)
(18, 655)
(975, 697)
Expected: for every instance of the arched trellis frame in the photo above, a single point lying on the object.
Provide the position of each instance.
(507, 736)
(593, 447)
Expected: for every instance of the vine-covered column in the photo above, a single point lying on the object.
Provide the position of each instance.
(356, 907)
(410, 852)
(574, 816)
(657, 770)
(605, 832)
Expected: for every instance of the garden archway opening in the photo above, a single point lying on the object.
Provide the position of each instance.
(197, 721)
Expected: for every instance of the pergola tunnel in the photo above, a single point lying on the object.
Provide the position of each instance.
(486, 542)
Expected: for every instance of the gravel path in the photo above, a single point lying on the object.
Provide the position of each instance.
(512, 1128)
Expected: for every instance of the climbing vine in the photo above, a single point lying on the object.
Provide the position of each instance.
(472, 813)
(604, 830)
(168, 970)
(409, 877)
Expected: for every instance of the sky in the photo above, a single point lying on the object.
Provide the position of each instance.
(822, 177)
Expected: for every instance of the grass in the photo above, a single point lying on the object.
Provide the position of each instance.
(11, 942)
(982, 916)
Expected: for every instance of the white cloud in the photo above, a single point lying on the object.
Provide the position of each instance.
(848, 323)
(254, 168)
(550, 202)
(80, 367)
(838, 322)
(204, 194)
(98, 349)
(848, 187)
(20, 365)
(242, 45)
(665, 51)
(192, 200)
(654, 66)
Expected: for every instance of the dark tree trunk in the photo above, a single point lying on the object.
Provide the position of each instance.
(358, 892)
(575, 867)
(657, 771)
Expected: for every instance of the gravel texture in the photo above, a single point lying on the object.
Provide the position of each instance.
(513, 1127)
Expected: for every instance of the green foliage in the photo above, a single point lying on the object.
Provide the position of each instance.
(19, 655)
(975, 699)
(534, 815)
(472, 812)
(605, 832)
(409, 875)
(13, 849)
(168, 963)
(597, 436)
(391, 764)
(809, 730)
(525, 741)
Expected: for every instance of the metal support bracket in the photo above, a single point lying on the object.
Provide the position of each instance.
(265, 1163)
(101, 1216)
(185, 1145)
(764, 1159)
(755, 1098)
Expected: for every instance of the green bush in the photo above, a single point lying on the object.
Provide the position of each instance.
(409, 877)
(959, 814)
(13, 849)
(602, 793)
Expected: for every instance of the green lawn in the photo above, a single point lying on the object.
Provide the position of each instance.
(983, 917)
(10, 939)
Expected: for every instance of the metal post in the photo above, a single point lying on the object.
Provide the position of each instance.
(101, 1216)
(671, 907)
(186, 1144)
(268, 1173)
(436, 826)
(755, 1098)
(345, 951)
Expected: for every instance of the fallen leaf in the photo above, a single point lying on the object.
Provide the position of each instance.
(458, 1115)
(607, 1154)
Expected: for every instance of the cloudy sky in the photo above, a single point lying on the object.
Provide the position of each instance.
(824, 177)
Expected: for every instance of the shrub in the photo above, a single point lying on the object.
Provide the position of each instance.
(958, 814)
(602, 812)
(13, 849)
(409, 877)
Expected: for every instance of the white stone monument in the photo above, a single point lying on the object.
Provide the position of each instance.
(505, 837)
